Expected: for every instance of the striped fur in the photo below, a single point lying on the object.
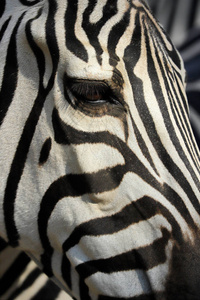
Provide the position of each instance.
(21, 279)
(181, 19)
(100, 170)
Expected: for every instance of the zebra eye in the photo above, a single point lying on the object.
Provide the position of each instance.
(95, 97)
(91, 92)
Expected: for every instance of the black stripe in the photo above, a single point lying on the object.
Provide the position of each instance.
(84, 290)
(72, 43)
(51, 39)
(45, 151)
(2, 7)
(4, 27)
(116, 33)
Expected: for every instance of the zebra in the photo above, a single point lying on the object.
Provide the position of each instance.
(99, 166)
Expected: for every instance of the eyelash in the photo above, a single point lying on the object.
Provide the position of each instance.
(91, 89)
(92, 92)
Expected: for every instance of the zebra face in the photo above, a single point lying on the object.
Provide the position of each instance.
(100, 185)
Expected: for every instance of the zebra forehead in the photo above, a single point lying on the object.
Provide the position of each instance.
(98, 36)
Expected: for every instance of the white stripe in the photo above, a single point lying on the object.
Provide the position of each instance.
(97, 13)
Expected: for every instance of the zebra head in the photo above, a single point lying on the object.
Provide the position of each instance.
(99, 167)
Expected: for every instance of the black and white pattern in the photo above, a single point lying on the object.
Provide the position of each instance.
(99, 167)
(21, 279)
(181, 19)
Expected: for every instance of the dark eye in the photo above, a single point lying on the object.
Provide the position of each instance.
(95, 97)
(91, 92)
